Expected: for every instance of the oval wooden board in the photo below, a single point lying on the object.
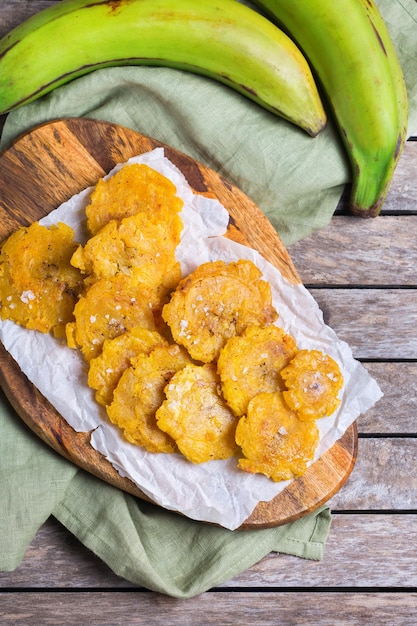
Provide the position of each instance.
(57, 160)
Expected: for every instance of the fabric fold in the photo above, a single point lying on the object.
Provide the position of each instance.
(168, 553)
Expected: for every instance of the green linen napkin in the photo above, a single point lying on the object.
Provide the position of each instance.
(297, 181)
(140, 542)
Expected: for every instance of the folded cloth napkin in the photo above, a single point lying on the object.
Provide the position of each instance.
(297, 181)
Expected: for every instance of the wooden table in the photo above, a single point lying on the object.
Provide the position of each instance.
(363, 273)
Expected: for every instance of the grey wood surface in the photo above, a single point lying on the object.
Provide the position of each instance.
(363, 273)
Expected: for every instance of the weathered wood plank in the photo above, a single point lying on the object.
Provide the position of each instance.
(13, 12)
(403, 189)
(368, 550)
(354, 251)
(396, 412)
(361, 551)
(376, 323)
(382, 251)
(56, 558)
(384, 477)
(248, 608)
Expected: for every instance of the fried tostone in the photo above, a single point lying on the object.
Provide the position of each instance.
(273, 440)
(251, 363)
(108, 308)
(196, 416)
(137, 246)
(35, 272)
(133, 189)
(313, 380)
(140, 392)
(106, 369)
(215, 302)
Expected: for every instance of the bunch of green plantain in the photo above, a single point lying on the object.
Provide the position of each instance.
(288, 56)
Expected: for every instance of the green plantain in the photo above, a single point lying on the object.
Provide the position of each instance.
(351, 52)
(221, 39)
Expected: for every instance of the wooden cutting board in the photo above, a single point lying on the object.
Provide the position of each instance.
(49, 165)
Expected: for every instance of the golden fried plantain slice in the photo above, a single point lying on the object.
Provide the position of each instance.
(273, 440)
(137, 246)
(122, 413)
(134, 188)
(108, 309)
(38, 285)
(195, 415)
(251, 363)
(313, 380)
(140, 392)
(215, 302)
(106, 369)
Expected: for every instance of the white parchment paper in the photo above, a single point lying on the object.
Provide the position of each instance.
(215, 491)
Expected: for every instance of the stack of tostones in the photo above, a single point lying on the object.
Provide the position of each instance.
(129, 262)
(139, 394)
(129, 268)
(278, 435)
(115, 357)
(107, 309)
(193, 365)
(140, 246)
